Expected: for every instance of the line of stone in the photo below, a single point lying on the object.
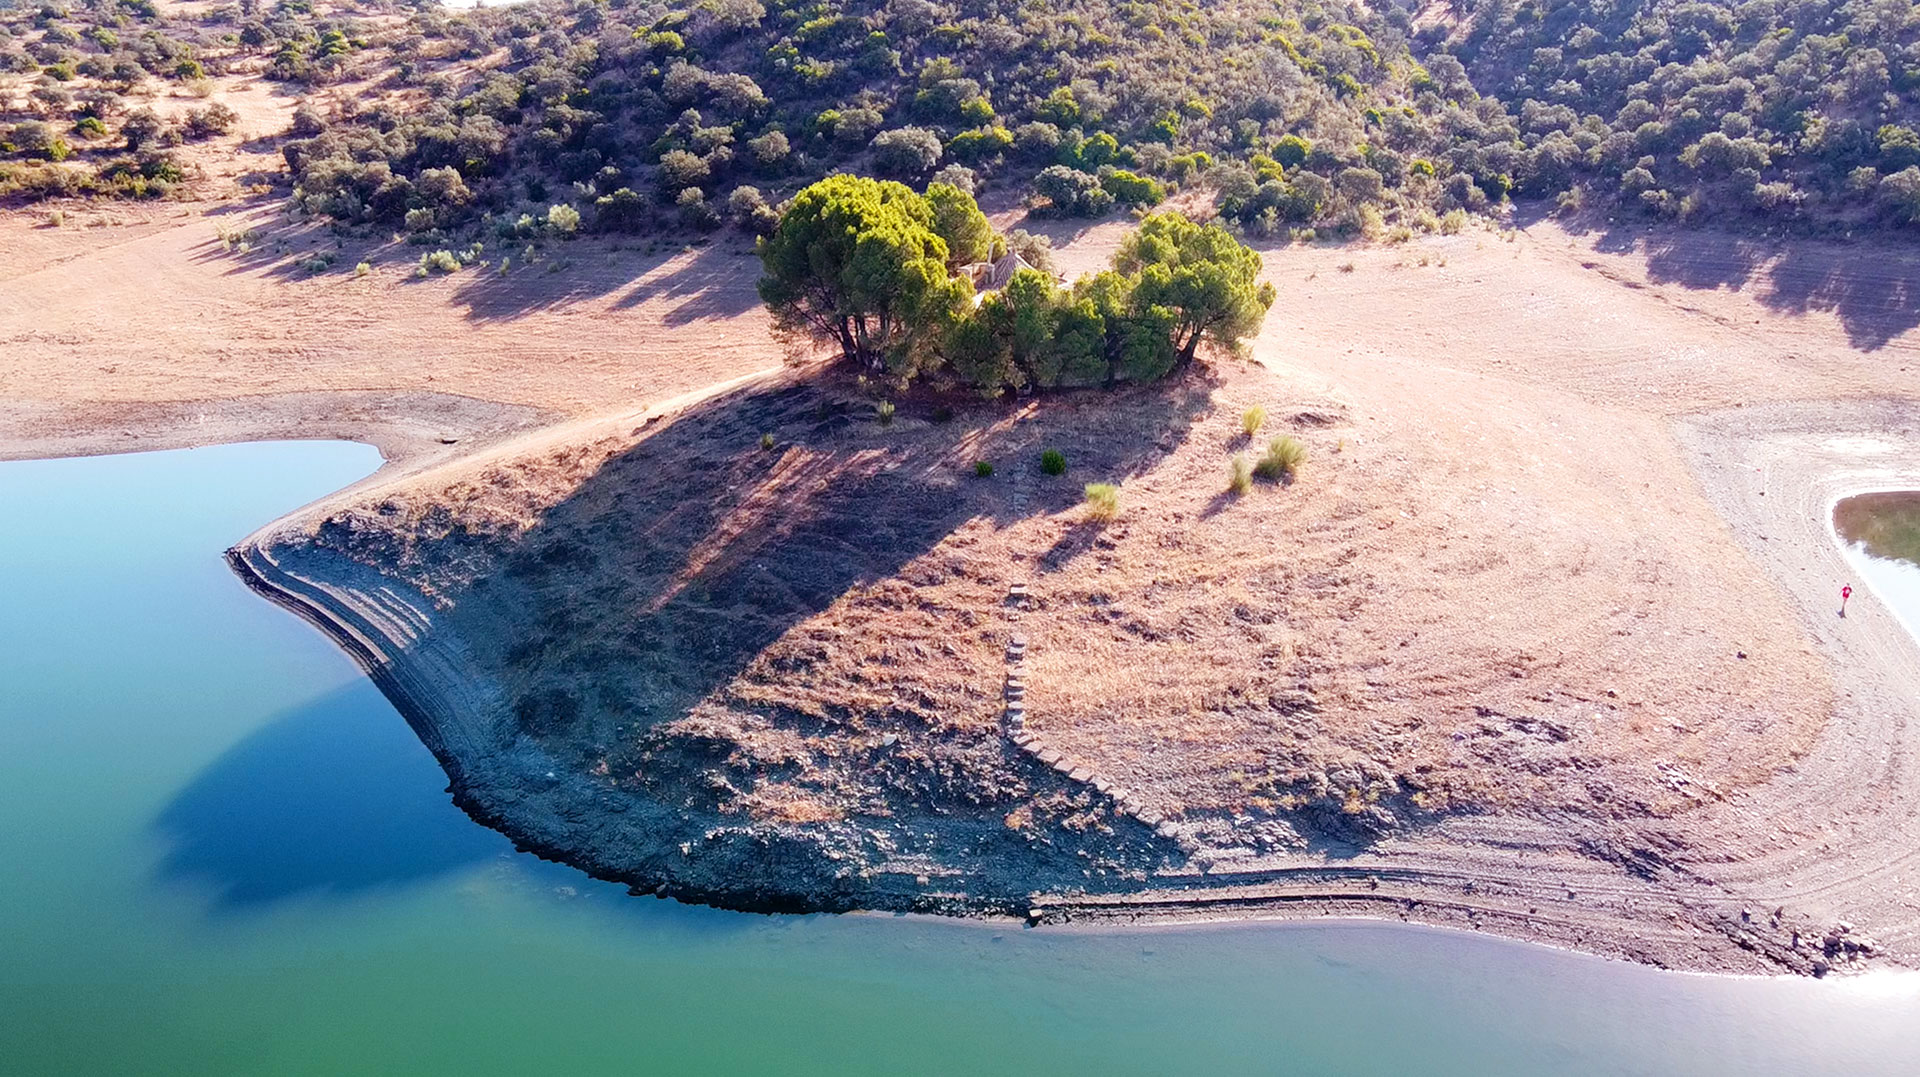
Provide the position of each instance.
(1072, 769)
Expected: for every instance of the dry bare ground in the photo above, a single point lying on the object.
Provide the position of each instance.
(1537, 642)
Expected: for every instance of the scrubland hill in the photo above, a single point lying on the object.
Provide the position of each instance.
(685, 116)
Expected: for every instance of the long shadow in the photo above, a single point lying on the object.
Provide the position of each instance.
(1873, 288)
(259, 241)
(715, 281)
(673, 567)
(336, 797)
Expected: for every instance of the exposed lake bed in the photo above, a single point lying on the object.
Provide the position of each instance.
(231, 849)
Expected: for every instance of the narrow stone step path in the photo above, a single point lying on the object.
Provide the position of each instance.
(1019, 600)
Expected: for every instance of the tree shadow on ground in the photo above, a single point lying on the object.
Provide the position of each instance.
(711, 282)
(676, 563)
(1872, 288)
(698, 283)
(253, 237)
(333, 798)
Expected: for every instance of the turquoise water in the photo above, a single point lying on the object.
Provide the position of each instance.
(227, 854)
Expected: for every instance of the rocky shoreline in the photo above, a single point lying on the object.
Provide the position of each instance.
(1450, 876)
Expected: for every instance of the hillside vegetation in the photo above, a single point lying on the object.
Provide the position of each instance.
(1295, 114)
(1785, 108)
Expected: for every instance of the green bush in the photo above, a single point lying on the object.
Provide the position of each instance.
(1053, 462)
(1252, 420)
(439, 262)
(563, 219)
(1103, 501)
(885, 413)
(983, 468)
(766, 441)
(1129, 189)
(1283, 459)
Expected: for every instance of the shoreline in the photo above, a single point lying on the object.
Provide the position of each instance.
(1462, 889)
(1516, 909)
(1692, 926)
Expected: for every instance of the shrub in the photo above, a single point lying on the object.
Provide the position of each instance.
(1103, 501)
(1071, 192)
(885, 413)
(766, 441)
(1253, 419)
(983, 468)
(680, 170)
(362, 269)
(980, 144)
(215, 119)
(769, 151)
(696, 212)
(142, 127)
(1239, 474)
(1036, 250)
(1283, 459)
(906, 151)
(439, 262)
(750, 211)
(563, 219)
(1052, 462)
(959, 177)
(1129, 189)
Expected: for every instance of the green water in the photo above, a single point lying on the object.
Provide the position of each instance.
(1881, 532)
(225, 853)
(1887, 523)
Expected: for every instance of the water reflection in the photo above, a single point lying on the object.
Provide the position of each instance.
(1881, 533)
(334, 797)
(1887, 523)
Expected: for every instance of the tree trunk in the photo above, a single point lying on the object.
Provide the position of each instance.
(849, 350)
(1191, 346)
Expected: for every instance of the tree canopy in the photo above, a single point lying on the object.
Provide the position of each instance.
(856, 261)
(1205, 278)
(864, 265)
(957, 220)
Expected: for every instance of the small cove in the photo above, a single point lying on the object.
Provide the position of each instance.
(1881, 533)
(227, 854)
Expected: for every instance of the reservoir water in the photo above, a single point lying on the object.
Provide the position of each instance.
(226, 854)
(1882, 534)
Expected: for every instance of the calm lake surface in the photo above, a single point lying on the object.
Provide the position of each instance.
(225, 853)
(1882, 535)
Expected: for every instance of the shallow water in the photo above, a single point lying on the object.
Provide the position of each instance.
(227, 854)
(1881, 532)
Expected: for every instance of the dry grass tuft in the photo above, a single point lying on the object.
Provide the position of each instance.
(1252, 420)
(1103, 501)
(1239, 475)
(1283, 459)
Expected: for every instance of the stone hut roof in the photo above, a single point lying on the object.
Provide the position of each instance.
(993, 276)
